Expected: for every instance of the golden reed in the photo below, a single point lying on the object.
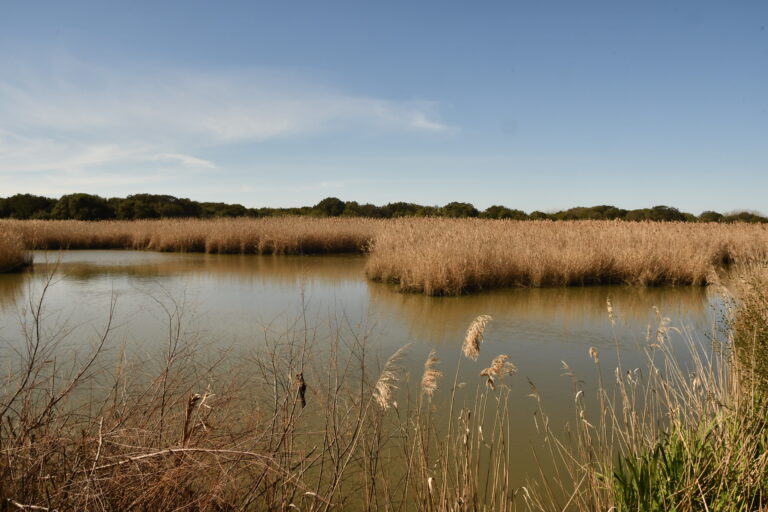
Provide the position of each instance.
(12, 254)
(451, 257)
(443, 256)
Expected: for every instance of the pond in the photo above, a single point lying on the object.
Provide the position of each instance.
(231, 301)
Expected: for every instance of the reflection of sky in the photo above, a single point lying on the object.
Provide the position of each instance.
(229, 300)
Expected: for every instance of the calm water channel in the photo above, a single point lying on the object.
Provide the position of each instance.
(228, 299)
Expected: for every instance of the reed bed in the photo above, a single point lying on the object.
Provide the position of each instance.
(444, 256)
(280, 235)
(452, 257)
(12, 254)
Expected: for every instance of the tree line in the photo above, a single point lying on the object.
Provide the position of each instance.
(153, 206)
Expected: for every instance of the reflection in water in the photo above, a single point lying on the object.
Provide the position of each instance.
(435, 318)
(287, 270)
(11, 286)
(228, 297)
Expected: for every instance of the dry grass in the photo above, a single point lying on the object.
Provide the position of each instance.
(280, 235)
(451, 257)
(174, 430)
(688, 432)
(180, 431)
(444, 256)
(12, 254)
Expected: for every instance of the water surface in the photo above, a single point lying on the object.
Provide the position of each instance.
(228, 301)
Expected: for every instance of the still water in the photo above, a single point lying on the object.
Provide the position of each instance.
(230, 301)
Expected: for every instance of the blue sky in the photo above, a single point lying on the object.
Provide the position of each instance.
(534, 105)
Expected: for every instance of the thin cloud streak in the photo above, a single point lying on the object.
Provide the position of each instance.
(186, 160)
(74, 117)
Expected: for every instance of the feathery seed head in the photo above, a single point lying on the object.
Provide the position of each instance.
(431, 374)
(474, 337)
(382, 392)
(499, 369)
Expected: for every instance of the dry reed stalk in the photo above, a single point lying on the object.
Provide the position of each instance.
(474, 337)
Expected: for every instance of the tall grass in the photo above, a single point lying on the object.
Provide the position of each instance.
(443, 256)
(12, 254)
(689, 432)
(281, 235)
(451, 257)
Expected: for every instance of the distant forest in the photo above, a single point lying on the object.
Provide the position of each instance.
(151, 206)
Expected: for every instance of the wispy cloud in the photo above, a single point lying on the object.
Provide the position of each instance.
(72, 117)
(186, 160)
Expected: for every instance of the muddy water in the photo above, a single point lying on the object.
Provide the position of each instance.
(230, 301)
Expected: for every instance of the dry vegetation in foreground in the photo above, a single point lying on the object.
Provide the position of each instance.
(182, 431)
(688, 432)
(12, 254)
(303, 423)
(444, 256)
(451, 257)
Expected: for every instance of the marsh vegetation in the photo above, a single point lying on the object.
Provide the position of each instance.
(320, 418)
(13, 256)
(443, 256)
(316, 421)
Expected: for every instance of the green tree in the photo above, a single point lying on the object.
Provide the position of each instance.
(330, 207)
(82, 207)
(456, 209)
(537, 215)
(666, 214)
(502, 212)
(710, 216)
(26, 206)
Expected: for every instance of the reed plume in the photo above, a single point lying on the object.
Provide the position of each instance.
(385, 385)
(474, 337)
(431, 374)
(500, 368)
(594, 354)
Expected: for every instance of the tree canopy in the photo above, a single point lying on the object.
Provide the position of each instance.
(154, 206)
